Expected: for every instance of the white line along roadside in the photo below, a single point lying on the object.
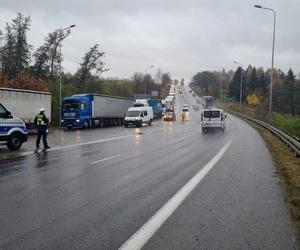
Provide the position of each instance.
(105, 159)
(140, 238)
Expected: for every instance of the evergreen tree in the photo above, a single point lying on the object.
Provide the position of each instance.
(235, 85)
(20, 27)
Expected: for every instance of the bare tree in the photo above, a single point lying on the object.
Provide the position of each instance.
(91, 65)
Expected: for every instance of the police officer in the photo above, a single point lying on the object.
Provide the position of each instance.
(41, 123)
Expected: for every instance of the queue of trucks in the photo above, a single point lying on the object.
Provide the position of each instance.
(18, 109)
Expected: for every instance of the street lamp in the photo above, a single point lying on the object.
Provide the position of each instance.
(145, 87)
(272, 70)
(60, 31)
(241, 86)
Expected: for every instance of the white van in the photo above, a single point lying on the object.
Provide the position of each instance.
(213, 118)
(138, 115)
(13, 131)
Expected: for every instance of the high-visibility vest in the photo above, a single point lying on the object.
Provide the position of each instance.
(40, 120)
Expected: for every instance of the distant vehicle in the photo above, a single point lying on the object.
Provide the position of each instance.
(141, 103)
(13, 131)
(196, 107)
(156, 105)
(169, 116)
(163, 106)
(212, 119)
(185, 108)
(25, 104)
(207, 102)
(91, 110)
(169, 104)
(190, 91)
(138, 115)
(194, 95)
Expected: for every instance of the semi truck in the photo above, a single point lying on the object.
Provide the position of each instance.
(93, 110)
(156, 105)
(25, 104)
(207, 102)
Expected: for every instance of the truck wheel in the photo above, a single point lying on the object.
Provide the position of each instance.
(126, 125)
(14, 142)
(141, 124)
(86, 124)
(204, 130)
(150, 122)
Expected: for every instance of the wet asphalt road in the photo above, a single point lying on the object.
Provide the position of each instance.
(98, 192)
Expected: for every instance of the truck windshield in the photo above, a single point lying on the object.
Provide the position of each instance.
(133, 113)
(212, 114)
(70, 105)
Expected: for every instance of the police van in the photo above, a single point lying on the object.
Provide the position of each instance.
(13, 131)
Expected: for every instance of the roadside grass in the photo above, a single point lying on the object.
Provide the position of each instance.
(288, 169)
(285, 122)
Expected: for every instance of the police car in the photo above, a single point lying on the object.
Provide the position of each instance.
(13, 131)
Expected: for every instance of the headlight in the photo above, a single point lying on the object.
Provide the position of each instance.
(62, 121)
(77, 120)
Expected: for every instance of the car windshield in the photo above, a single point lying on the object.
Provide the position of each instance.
(133, 113)
(70, 105)
(212, 114)
(3, 111)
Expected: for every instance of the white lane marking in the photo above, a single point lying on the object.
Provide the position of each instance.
(78, 144)
(105, 159)
(140, 238)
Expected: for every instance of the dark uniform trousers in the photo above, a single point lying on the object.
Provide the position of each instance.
(42, 132)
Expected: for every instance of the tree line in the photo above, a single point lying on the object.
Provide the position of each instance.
(24, 67)
(226, 86)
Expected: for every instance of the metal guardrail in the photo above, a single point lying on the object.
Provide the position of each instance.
(285, 138)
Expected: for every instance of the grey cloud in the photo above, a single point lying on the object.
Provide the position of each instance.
(182, 37)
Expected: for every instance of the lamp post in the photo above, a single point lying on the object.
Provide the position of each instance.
(273, 45)
(145, 86)
(60, 31)
(241, 86)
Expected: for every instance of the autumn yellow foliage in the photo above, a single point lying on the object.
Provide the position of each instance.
(24, 81)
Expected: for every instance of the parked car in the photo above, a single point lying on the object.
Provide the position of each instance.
(138, 115)
(169, 116)
(13, 131)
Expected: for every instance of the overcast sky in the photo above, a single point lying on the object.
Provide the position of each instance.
(180, 37)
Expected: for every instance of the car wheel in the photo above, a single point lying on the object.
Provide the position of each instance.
(125, 125)
(204, 130)
(14, 142)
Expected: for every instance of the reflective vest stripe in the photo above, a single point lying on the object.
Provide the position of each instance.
(40, 120)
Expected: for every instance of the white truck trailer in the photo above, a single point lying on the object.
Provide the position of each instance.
(26, 104)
